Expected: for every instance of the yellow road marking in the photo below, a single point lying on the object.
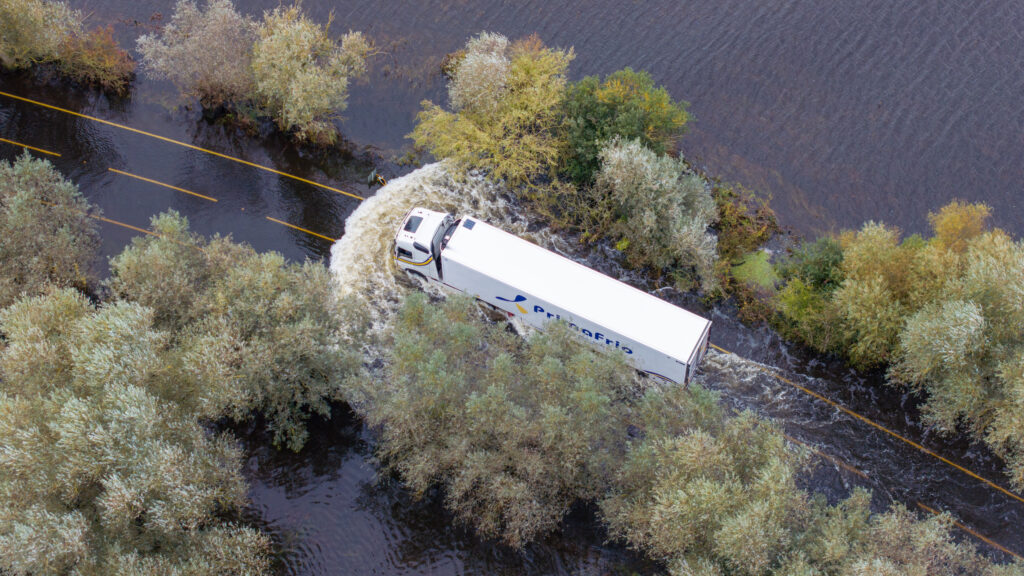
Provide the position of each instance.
(878, 426)
(328, 238)
(828, 457)
(988, 541)
(158, 183)
(29, 147)
(179, 143)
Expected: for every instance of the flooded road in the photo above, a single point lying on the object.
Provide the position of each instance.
(867, 110)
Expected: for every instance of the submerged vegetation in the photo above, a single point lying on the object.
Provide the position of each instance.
(286, 66)
(944, 314)
(590, 156)
(113, 458)
(46, 236)
(34, 32)
(516, 432)
(111, 462)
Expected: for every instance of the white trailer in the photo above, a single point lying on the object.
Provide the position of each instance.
(535, 286)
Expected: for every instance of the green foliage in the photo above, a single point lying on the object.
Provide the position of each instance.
(31, 31)
(745, 222)
(625, 105)
(810, 316)
(515, 432)
(708, 491)
(259, 333)
(302, 74)
(656, 212)
(756, 269)
(506, 101)
(206, 53)
(885, 280)
(46, 235)
(817, 264)
(713, 495)
(102, 472)
(966, 349)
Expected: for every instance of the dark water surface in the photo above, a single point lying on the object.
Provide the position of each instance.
(844, 112)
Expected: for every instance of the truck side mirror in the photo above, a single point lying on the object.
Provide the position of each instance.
(421, 247)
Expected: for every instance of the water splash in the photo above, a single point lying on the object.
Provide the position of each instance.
(361, 262)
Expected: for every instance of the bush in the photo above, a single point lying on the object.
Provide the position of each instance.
(656, 213)
(302, 74)
(46, 235)
(957, 223)
(506, 102)
(702, 490)
(710, 495)
(260, 333)
(515, 432)
(818, 264)
(966, 349)
(96, 59)
(744, 222)
(206, 53)
(626, 105)
(31, 31)
(101, 473)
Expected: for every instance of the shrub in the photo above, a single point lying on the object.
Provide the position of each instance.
(96, 59)
(885, 281)
(31, 31)
(957, 223)
(818, 264)
(744, 223)
(46, 235)
(257, 330)
(711, 495)
(514, 432)
(100, 472)
(626, 105)
(965, 349)
(302, 74)
(702, 490)
(506, 102)
(656, 213)
(206, 53)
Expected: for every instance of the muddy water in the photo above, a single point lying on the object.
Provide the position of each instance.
(868, 110)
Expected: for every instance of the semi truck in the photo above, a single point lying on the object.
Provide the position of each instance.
(534, 286)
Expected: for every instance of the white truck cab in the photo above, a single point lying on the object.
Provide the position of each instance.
(534, 286)
(420, 240)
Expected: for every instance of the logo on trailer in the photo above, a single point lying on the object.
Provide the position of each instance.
(519, 298)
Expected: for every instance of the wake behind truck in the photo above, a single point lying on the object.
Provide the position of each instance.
(536, 286)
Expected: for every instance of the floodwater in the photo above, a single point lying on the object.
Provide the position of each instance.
(842, 112)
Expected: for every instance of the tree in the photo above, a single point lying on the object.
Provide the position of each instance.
(505, 100)
(46, 233)
(102, 472)
(206, 53)
(260, 331)
(626, 105)
(965, 349)
(31, 31)
(514, 432)
(656, 212)
(302, 74)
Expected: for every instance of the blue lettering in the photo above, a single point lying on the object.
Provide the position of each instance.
(588, 333)
(599, 336)
(627, 350)
(538, 309)
(574, 327)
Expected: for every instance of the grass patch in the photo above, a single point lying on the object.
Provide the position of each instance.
(754, 268)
